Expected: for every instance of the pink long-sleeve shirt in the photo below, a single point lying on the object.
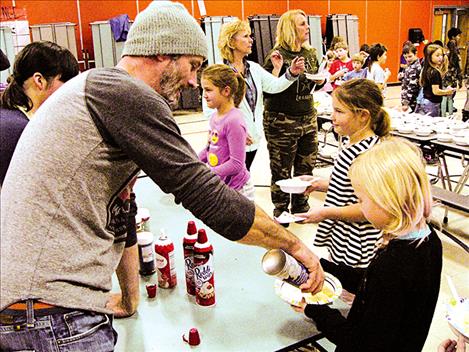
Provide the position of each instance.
(225, 153)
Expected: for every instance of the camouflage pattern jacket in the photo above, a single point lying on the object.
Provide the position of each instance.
(410, 84)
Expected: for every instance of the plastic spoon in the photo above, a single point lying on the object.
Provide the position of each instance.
(453, 289)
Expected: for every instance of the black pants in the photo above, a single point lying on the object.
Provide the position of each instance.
(250, 158)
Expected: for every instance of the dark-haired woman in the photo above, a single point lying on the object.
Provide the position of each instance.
(39, 70)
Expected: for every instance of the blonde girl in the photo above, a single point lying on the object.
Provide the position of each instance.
(225, 151)
(396, 296)
(434, 68)
(358, 114)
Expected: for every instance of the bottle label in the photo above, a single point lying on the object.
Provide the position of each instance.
(161, 261)
(295, 273)
(166, 269)
(204, 281)
(189, 269)
(147, 253)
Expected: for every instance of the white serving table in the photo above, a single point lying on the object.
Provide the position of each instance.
(248, 315)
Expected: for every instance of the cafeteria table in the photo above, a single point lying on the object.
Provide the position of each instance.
(248, 315)
(442, 149)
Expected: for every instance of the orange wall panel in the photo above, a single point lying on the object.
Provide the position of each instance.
(318, 7)
(264, 7)
(383, 27)
(223, 8)
(449, 2)
(92, 11)
(49, 11)
(422, 21)
(357, 8)
(387, 22)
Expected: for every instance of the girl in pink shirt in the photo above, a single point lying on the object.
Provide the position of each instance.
(225, 151)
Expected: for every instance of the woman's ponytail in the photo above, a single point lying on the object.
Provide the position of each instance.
(14, 96)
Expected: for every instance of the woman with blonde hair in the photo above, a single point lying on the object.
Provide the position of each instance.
(235, 44)
(290, 122)
(396, 296)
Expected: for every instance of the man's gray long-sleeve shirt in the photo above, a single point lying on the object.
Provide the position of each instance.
(62, 216)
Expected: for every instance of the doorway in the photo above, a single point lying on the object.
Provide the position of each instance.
(445, 17)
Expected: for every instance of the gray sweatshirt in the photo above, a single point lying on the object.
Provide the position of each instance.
(62, 202)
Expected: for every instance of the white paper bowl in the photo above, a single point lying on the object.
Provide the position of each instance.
(407, 128)
(408, 118)
(331, 290)
(444, 137)
(292, 185)
(461, 140)
(459, 125)
(458, 317)
(457, 133)
(423, 131)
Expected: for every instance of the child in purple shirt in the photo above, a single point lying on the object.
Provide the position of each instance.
(225, 151)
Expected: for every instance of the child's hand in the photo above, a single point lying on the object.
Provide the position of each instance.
(301, 308)
(277, 59)
(452, 345)
(313, 216)
(450, 90)
(387, 73)
(249, 140)
(297, 66)
(316, 183)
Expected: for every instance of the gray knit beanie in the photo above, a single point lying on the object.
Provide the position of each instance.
(165, 27)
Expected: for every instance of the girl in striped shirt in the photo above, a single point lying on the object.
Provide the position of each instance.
(359, 115)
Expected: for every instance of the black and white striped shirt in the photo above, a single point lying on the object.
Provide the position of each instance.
(350, 243)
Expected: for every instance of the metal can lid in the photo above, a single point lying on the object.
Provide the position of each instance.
(144, 238)
(273, 261)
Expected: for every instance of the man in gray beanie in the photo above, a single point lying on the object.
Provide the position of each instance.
(72, 173)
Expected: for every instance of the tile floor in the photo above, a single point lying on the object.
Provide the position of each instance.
(456, 261)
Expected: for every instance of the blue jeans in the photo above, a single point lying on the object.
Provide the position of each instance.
(73, 331)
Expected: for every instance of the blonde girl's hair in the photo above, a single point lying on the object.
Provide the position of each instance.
(393, 177)
(225, 40)
(223, 76)
(287, 33)
(425, 74)
(363, 94)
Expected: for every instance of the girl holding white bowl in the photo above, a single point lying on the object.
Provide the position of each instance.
(358, 114)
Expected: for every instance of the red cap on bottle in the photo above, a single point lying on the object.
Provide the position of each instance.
(202, 236)
(191, 228)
